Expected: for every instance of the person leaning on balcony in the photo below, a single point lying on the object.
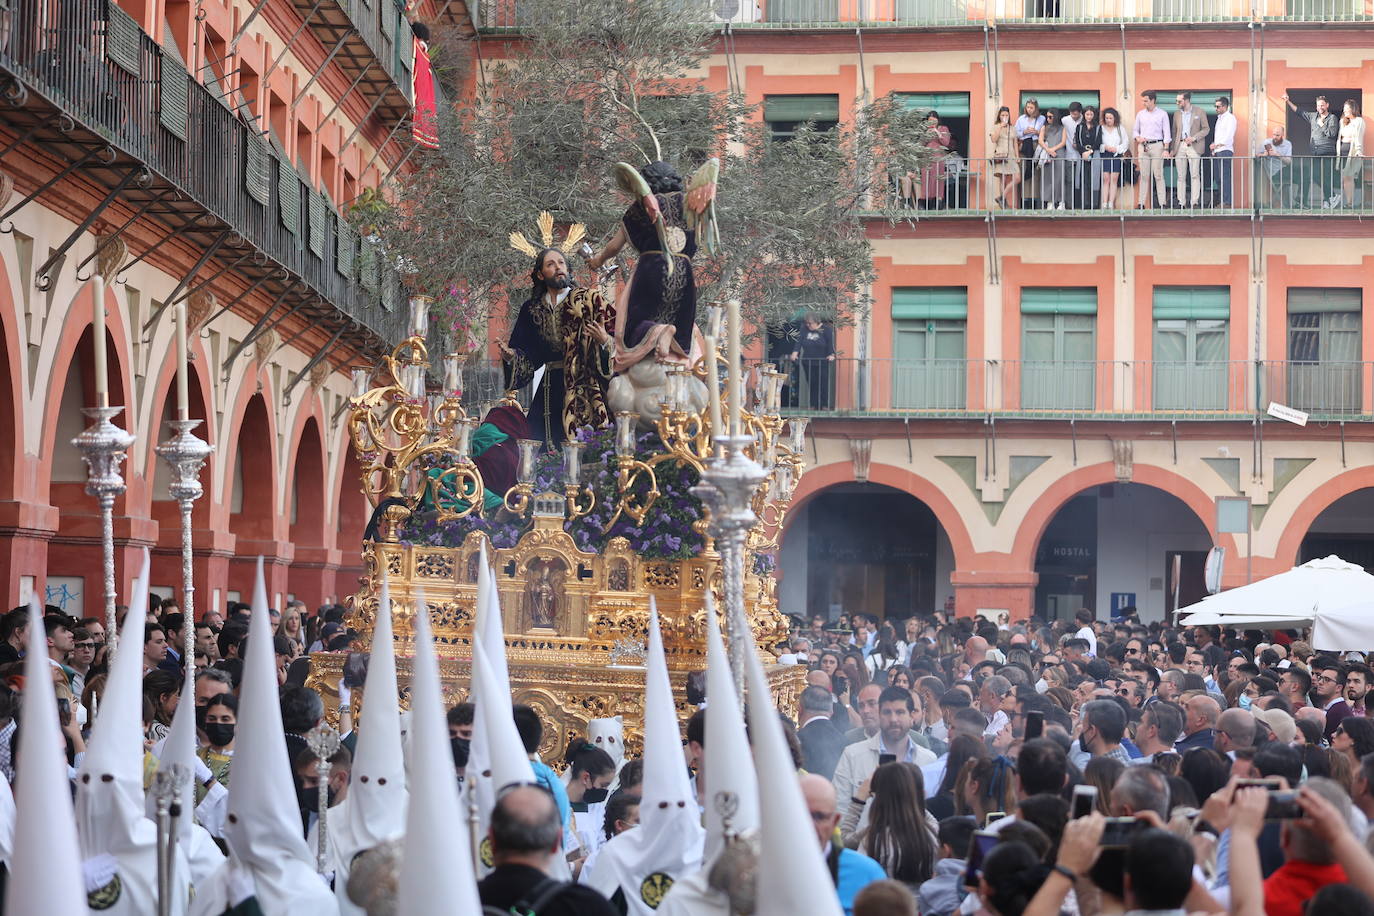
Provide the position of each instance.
(1027, 137)
(1152, 138)
(1006, 156)
(1223, 151)
(1115, 144)
(1073, 162)
(1050, 158)
(1350, 151)
(1325, 129)
(1276, 154)
(1190, 129)
(1087, 140)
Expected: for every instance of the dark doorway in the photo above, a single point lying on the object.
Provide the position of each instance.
(1192, 579)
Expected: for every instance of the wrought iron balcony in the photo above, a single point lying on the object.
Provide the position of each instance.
(1055, 388)
(371, 42)
(1206, 186)
(810, 14)
(83, 84)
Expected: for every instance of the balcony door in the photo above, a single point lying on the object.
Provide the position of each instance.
(1058, 348)
(1324, 350)
(1190, 347)
(929, 368)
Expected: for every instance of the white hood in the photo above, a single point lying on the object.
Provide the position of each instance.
(731, 784)
(45, 867)
(792, 873)
(667, 844)
(263, 826)
(436, 862)
(110, 816)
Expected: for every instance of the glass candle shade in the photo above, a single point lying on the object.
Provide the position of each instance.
(362, 380)
(625, 434)
(419, 316)
(572, 463)
(524, 469)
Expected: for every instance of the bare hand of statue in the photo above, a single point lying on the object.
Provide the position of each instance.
(599, 334)
(506, 352)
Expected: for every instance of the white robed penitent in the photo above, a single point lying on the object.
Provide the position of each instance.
(375, 808)
(268, 859)
(644, 862)
(118, 841)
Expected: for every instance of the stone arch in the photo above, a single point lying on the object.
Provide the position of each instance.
(306, 504)
(1313, 505)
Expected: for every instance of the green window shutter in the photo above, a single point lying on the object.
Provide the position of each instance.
(288, 195)
(174, 97)
(346, 248)
(1059, 100)
(946, 104)
(368, 267)
(1057, 300)
(389, 16)
(257, 167)
(930, 302)
(319, 212)
(391, 290)
(1322, 299)
(1192, 302)
(122, 39)
(1203, 99)
(801, 108)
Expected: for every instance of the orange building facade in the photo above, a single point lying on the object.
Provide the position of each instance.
(1053, 408)
(212, 149)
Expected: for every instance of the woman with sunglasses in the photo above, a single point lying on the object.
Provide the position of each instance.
(1050, 157)
(1354, 737)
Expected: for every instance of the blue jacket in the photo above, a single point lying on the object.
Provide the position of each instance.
(547, 778)
(944, 891)
(857, 871)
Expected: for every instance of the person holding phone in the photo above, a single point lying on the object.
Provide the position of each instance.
(896, 715)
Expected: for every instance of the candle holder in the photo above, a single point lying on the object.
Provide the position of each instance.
(518, 497)
(580, 499)
(185, 454)
(728, 486)
(103, 446)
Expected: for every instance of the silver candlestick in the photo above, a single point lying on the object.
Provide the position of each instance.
(103, 446)
(186, 453)
(323, 742)
(727, 487)
(166, 790)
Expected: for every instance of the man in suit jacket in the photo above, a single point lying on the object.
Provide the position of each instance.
(821, 742)
(1190, 130)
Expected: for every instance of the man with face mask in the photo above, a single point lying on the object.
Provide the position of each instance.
(1100, 732)
(308, 774)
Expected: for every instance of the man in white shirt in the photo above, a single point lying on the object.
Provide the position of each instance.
(896, 715)
(1084, 619)
(1223, 150)
(1073, 167)
(1152, 137)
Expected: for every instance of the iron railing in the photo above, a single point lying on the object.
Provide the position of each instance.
(1203, 186)
(505, 14)
(1066, 388)
(123, 87)
(384, 28)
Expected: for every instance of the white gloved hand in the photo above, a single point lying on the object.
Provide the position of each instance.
(98, 871)
(203, 774)
(345, 694)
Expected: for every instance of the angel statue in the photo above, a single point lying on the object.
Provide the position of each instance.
(657, 310)
(565, 329)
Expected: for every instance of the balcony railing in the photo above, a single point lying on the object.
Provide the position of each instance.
(1067, 388)
(1206, 186)
(119, 85)
(505, 14)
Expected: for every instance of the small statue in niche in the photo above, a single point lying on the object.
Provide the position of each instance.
(544, 583)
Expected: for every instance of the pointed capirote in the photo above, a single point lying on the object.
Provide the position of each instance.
(732, 788)
(792, 873)
(45, 868)
(263, 825)
(667, 845)
(436, 863)
(377, 794)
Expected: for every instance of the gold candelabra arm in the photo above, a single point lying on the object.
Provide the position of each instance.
(631, 472)
(686, 434)
(461, 482)
(517, 498)
(581, 500)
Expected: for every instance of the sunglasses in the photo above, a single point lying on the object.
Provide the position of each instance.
(83, 645)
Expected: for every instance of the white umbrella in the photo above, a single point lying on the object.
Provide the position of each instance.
(1291, 599)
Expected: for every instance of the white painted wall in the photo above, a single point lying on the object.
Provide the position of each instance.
(1135, 529)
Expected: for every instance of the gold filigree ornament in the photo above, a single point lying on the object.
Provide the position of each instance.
(576, 233)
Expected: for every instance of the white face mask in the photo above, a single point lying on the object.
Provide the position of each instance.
(1041, 686)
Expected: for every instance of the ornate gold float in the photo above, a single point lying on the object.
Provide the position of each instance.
(575, 620)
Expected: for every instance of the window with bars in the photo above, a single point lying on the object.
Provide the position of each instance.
(1058, 348)
(929, 366)
(1324, 366)
(1191, 347)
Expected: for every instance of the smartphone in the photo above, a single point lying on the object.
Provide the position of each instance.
(1118, 832)
(1035, 725)
(841, 684)
(1084, 801)
(993, 817)
(64, 710)
(355, 669)
(980, 844)
(1283, 806)
(884, 759)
